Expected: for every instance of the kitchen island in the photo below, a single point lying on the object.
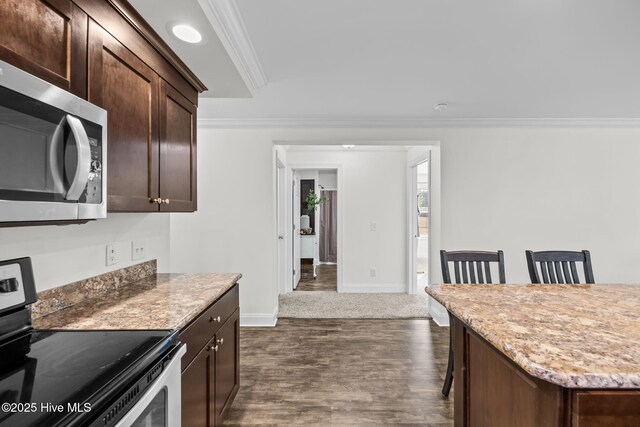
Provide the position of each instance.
(544, 355)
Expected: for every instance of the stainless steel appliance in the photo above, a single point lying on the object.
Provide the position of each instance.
(81, 378)
(53, 152)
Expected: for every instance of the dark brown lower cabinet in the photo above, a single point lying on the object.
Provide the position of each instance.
(211, 372)
(227, 364)
(196, 390)
(491, 390)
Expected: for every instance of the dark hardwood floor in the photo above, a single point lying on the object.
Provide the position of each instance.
(326, 280)
(340, 372)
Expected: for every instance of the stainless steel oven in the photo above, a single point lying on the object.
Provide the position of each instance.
(96, 378)
(53, 154)
(160, 405)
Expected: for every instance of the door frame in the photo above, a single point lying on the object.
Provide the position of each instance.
(289, 219)
(412, 219)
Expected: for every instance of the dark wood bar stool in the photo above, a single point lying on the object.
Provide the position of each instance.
(558, 266)
(468, 267)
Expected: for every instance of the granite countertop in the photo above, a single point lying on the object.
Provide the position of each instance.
(159, 301)
(575, 336)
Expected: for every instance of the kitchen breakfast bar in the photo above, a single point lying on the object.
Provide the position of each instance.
(544, 355)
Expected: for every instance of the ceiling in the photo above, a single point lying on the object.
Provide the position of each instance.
(393, 60)
(209, 59)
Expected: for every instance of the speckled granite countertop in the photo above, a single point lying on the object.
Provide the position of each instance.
(162, 301)
(576, 336)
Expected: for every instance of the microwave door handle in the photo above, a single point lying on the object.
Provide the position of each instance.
(83, 168)
(56, 169)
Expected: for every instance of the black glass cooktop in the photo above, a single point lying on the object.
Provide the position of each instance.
(55, 378)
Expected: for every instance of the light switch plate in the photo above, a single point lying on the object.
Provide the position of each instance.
(374, 226)
(138, 250)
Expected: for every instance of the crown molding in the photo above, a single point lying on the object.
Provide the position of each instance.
(410, 122)
(226, 20)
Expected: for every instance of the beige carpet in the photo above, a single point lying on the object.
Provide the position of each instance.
(332, 305)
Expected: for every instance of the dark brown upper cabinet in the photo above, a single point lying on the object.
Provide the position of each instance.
(104, 51)
(128, 89)
(47, 38)
(152, 131)
(177, 151)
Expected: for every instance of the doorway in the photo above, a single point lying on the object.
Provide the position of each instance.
(420, 223)
(315, 223)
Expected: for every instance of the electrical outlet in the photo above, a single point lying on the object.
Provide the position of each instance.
(112, 256)
(138, 250)
(372, 272)
(374, 226)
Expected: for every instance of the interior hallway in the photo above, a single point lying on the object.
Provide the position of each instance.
(326, 279)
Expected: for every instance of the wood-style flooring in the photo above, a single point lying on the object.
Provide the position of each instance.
(326, 280)
(340, 372)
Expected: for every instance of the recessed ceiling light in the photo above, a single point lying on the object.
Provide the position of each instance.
(186, 33)
(440, 107)
(348, 146)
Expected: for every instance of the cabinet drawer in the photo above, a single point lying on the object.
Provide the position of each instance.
(199, 332)
(605, 407)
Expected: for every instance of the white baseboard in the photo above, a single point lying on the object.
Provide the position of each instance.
(375, 288)
(259, 320)
(438, 313)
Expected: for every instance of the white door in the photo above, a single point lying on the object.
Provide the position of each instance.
(421, 225)
(296, 229)
(281, 224)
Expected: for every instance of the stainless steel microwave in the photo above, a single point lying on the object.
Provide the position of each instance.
(53, 152)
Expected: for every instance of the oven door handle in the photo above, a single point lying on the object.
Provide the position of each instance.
(81, 178)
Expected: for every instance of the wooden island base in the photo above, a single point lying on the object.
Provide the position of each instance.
(491, 390)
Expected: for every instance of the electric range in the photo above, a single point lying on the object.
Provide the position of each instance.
(78, 378)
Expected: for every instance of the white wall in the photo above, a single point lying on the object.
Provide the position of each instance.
(545, 189)
(234, 229)
(64, 254)
(510, 189)
(308, 174)
(373, 191)
(328, 180)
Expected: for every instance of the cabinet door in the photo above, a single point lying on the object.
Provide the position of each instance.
(47, 38)
(197, 390)
(177, 151)
(128, 89)
(227, 375)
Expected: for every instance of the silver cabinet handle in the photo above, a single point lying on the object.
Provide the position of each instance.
(165, 201)
(220, 341)
(281, 237)
(81, 177)
(156, 200)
